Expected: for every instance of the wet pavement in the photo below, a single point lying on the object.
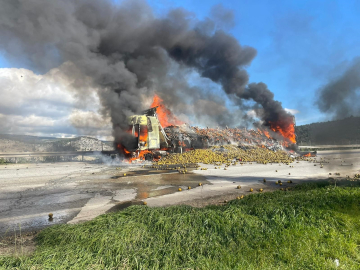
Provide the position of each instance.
(75, 192)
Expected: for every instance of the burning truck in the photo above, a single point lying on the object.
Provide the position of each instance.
(151, 140)
(148, 137)
(154, 135)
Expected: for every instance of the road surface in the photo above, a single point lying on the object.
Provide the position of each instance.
(78, 191)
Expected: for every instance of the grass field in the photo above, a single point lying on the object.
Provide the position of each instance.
(306, 228)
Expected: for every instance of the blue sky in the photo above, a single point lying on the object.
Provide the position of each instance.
(301, 45)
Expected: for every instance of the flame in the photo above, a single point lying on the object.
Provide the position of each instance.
(286, 128)
(165, 116)
(143, 135)
(141, 154)
(138, 155)
(123, 149)
(266, 133)
(310, 155)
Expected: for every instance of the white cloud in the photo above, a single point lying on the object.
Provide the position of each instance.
(292, 111)
(20, 86)
(52, 104)
(34, 121)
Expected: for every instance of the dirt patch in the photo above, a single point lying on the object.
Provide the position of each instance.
(18, 245)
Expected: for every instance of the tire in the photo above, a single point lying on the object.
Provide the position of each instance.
(149, 157)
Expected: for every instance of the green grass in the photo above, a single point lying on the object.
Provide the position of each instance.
(306, 228)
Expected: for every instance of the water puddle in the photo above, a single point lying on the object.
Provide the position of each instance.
(9, 226)
(155, 185)
(100, 204)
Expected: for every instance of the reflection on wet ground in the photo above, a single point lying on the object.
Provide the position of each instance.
(159, 183)
(156, 183)
(150, 170)
(77, 194)
(35, 222)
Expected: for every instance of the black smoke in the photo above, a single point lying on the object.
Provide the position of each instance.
(272, 111)
(340, 97)
(129, 53)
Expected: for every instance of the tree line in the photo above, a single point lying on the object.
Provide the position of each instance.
(344, 131)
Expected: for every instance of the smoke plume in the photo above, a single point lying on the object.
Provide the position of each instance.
(129, 54)
(340, 97)
(272, 110)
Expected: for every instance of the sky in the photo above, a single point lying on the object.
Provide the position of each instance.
(301, 46)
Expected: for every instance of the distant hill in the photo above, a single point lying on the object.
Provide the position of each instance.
(27, 138)
(345, 131)
(23, 143)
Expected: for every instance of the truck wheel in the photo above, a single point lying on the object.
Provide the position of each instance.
(149, 156)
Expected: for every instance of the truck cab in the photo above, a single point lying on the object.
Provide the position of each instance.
(148, 132)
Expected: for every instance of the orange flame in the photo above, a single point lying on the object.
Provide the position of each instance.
(286, 128)
(143, 135)
(310, 155)
(266, 133)
(165, 116)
